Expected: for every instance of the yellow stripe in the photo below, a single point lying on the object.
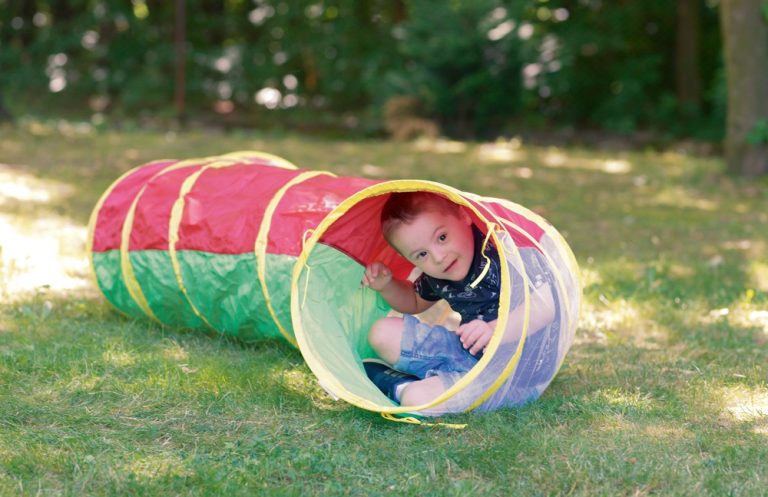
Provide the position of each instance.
(250, 155)
(126, 266)
(515, 359)
(560, 283)
(134, 289)
(415, 421)
(317, 366)
(94, 217)
(560, 242)
(178, 210)
(260, 247)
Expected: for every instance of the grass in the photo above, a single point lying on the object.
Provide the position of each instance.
(664, 392)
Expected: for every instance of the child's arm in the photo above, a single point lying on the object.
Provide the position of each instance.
(476, 334)
(399, 294)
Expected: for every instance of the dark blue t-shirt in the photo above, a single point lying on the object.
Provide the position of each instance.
(481, 302)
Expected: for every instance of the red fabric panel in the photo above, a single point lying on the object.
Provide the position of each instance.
(153, 210)
(358, 234)
(224, 209)
(111, 216)
(524, 224)
(304, 205)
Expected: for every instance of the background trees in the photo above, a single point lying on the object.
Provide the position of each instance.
(746, 63)
(479, 68)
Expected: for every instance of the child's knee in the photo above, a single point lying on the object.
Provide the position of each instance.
(385, 336)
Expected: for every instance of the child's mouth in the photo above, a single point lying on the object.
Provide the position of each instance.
(450, 266)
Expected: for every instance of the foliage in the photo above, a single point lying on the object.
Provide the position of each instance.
(759, 133)
(614, 66)
(453, 61)
(482, 67)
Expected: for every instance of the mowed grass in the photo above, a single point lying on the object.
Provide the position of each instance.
(663, 393)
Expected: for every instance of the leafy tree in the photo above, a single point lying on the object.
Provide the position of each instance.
(614, 65)
(480, 66)
(463, 60)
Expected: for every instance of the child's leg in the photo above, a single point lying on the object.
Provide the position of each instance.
(418, 348)
(422, 391)
(431, 353)
(385, 337)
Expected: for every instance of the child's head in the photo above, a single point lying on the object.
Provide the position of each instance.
(432, 232)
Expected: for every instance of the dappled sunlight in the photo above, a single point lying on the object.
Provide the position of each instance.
(556, 158)
(627, 425)
(611, 320)
(745, 404)
(15, 185)
(616, 166)
(680, 271)
(621, 408)
(502, 151)
(47, 252)
(747, 317)
(752, 248)
(516, 172)
(622, 398)
(589, 276)
(174, 351)
(305, 385)
(758, 276)
(666, 432)
(83, 383)
(119, 358)
(152, 466)
(655, 431)
(742, 316)
(679, 197)
(63, 127)
(373, 171)
(440, 146)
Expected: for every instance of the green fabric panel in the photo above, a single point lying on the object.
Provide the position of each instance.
(336, 317)
(154, 272)
(278, 270)
(225, 289)
(110, 279)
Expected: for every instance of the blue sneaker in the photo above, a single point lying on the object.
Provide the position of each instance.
(385, 378)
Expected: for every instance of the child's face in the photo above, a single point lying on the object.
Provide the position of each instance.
(438, 243)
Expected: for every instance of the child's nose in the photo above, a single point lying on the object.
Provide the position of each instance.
(438, 254)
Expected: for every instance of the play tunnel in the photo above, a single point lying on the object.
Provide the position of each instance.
(248, 245)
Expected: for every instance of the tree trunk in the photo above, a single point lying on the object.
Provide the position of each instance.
(745, 45)
(399, 12)
(180, 51)
(687, 67)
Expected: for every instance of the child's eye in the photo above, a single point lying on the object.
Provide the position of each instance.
(442, 237)
(421, 254)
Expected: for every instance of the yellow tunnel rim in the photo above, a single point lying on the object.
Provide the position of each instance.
(317, 365)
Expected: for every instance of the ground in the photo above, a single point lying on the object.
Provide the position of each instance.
(663, 393)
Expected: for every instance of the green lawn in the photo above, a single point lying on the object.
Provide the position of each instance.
(664, 392)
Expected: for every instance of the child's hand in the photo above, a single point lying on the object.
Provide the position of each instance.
(377, 276)
(475, 335)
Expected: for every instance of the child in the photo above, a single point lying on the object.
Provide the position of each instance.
(438, 237)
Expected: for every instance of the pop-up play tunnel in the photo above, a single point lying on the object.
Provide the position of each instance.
(250, 246)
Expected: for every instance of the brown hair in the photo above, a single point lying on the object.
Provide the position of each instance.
(403, 207)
